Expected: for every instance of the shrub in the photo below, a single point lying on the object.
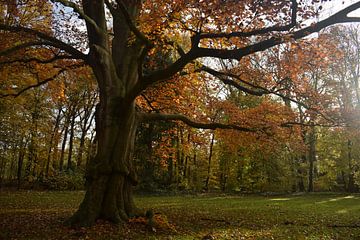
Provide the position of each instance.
(65, 181)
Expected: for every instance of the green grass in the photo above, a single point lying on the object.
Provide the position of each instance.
(38, 215)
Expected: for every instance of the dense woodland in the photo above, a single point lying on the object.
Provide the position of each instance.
(223, 97)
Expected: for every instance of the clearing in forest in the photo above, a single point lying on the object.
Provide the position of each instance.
(39, 215)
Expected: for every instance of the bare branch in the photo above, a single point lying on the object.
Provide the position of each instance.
(38, 84)
(224, 77)
(148, 117)
(149, 103)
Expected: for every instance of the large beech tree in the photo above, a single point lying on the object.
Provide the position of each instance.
(134, 44)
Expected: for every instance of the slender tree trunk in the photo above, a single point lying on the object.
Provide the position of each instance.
(170, 171)
(79, 158)
(71, 142)
(85, 128)
(52, 139)
(194, 172)
(178, 163)
(351, 181)
(187, 158)
(63, 145)
(149, 168)
(91, 149)
(30, 157)
(300, 175)
(21, 161)
(312, 158)
(207, 181)
(12, 172)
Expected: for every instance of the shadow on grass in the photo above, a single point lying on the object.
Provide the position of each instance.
(34, 215)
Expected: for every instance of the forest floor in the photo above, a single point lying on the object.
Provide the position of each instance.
(39, 215)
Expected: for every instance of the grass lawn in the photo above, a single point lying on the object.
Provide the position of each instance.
(39, 215)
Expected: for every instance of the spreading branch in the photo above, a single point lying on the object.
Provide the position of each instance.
(48, 40)
(199, 52)
(227, 78)
(37, 60)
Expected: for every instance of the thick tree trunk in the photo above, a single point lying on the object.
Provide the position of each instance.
(111, 175)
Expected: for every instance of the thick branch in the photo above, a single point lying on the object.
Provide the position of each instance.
(162, 75)
(51, 41)
(266, 30)
(290, 124)
(147, 117)
(198, 52)
(130, 22)
(79, 11)
(41, 61)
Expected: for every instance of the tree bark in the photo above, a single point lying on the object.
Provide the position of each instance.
(110, 174)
